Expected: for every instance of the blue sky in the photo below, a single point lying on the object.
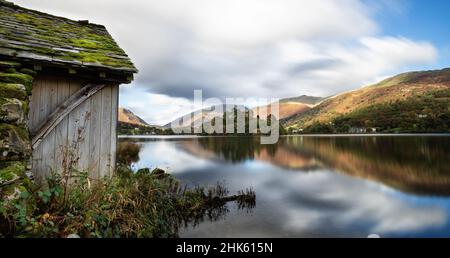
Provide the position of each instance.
(420, 20)
(262, 48)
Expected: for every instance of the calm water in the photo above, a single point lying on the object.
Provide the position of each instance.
(316, 186)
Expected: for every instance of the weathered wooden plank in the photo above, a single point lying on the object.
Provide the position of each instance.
(74, 87)
(38, 172)
(44, 103)
(67, 108)
(33, 121)
(61, 139)
(48, 154)
(84, 111)
(35, 100)
(114, 118)
(105, 132)
(48, 157)
(38, 153)
(94, 135)
(52, 84)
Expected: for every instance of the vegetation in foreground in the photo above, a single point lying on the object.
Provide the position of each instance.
(143, 204)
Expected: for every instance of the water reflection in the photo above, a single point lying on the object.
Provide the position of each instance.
(414, 164)
(318, 186)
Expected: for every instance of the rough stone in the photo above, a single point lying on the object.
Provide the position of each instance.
(17, 78)
(12, 111)
(14, 142)
(13, 90)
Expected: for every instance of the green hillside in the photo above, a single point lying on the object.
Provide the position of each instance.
(409, 102)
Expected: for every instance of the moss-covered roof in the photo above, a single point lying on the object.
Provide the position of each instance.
(30, 35)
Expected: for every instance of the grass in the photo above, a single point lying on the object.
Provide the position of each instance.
(143, 204)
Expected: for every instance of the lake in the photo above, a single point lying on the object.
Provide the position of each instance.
(315, 186)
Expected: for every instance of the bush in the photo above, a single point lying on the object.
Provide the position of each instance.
(143, 204)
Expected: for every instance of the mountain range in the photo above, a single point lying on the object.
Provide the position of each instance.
(287, 108)
(408, 102)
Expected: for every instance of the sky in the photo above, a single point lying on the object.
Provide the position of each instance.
(261, 48)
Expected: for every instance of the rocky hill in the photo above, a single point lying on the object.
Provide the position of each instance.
(128, 117)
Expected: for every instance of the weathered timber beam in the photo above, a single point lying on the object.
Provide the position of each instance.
(62, 111)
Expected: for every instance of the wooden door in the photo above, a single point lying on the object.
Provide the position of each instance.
(87, 133)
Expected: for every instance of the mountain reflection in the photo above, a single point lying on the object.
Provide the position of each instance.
(411, 164)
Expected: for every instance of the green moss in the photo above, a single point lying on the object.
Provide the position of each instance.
(91, 57)
(85, 43)
(32, 19)
(13, 170)
(9, 64)
(11, 90)
(20, 131)
(24, 79)
(26, 107)
(28, 71)
(23, 17)
(9, 70)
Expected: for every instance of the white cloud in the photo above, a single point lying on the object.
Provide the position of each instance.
(155, 109)
(258, 48)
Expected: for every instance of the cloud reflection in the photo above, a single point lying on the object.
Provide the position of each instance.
(300, 203)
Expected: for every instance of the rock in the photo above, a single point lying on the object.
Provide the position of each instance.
(12, 112)
(73, 236)
(155, 172)
(17, 78)
(13, 90)
(29, 174)
(158, 172)
(143, 171)
(14, 142)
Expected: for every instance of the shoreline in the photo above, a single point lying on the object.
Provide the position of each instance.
(290, 135)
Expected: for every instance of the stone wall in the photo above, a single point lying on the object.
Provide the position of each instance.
(15, 147)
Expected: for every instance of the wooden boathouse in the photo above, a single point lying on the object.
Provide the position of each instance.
(59, 89)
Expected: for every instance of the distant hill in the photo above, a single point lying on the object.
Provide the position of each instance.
(287, 108)
(207, 114)
(409, 102)
(128, 117)
(292, 106)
